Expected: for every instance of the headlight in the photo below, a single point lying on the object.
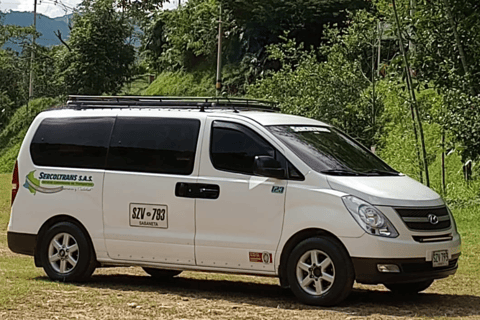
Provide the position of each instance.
(369, 218)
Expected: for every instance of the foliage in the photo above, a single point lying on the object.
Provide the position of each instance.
(13, 91)
(397, 144)
(47, 81)
(187, 37)
(184, 37)
(12, 70)
(334, 88)
(448, 62)
(99, 59)
(463, 121)
(180, 83)
(11, 136)
(14, 33)
(263, 22)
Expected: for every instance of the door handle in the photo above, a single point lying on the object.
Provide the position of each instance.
(209, 191)
(197, 190)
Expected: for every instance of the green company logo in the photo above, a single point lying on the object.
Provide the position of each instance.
(54, 183)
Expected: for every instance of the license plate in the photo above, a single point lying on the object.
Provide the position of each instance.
(148, 215)
(440, 258)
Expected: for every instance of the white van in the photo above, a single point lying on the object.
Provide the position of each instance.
(222, 185)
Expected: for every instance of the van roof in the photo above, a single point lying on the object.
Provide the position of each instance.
(260, 111)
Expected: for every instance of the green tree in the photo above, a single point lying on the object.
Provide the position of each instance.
(13, 70)
(98, 57)
(186, 37)
(335, 90)
(444, 48)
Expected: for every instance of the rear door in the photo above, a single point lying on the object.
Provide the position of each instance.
(143, 219)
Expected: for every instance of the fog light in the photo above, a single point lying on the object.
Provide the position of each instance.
(388, 268)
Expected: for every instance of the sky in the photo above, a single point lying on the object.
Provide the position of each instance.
(53, 8)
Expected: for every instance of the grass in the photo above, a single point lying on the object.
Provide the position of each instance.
(11, 135)
(127, 293)
(197, 83)
(136, 86)
(5, 194)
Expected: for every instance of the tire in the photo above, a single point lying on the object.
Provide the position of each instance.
(324, 283)
(161, 273)
(66, 253)
(409, 288)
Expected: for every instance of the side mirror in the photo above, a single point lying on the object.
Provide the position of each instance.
(267, 166)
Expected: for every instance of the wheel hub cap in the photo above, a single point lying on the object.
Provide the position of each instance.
(63, 253)
(315, 272)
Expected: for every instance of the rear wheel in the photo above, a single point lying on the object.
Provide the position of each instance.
(320, 272)
(66, 253)
(161, 273)
(409, 288)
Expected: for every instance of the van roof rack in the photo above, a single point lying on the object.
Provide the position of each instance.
(202, 103)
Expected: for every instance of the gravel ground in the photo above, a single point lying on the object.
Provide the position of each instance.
(128, 293)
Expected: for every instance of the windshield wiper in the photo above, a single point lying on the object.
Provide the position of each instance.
(340, 172)
(378, 172)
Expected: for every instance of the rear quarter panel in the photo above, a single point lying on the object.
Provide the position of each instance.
(82, 201)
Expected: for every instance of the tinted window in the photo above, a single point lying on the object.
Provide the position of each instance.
(234, 147)
(72, 142)
(329, 151)
(157, 145)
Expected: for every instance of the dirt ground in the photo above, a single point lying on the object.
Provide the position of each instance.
(128, 293)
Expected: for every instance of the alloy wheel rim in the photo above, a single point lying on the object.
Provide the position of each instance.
(315, 272)
(63, 253)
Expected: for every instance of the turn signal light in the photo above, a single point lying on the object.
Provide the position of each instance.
(15, 182)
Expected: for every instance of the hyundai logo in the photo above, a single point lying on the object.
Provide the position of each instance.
(433, 219)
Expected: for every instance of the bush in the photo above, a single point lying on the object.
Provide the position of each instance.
(12, 135)
(397, 145)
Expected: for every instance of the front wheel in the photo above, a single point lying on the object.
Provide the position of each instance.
(320, 272)
(66, 254)
(409, 288)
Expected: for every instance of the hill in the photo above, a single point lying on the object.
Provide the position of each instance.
(45, 25)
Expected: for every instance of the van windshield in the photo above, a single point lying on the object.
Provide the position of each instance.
(328, 151)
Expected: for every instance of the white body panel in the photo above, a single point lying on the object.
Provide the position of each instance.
(124, 242)
(398, 191)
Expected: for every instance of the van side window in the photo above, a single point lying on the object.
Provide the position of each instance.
(72, 142)
(155, 145)
(233, 147)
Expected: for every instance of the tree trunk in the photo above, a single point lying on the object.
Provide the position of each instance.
(463, 57)
(415, 112)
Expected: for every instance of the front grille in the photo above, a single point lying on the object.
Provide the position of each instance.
(420, 219)
(426, 266)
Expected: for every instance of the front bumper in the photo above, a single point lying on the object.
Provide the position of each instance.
(411, 270)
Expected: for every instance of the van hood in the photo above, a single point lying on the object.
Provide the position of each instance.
(398, 191)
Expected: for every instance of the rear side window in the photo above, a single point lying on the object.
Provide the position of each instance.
(72, 142)
(156, 145)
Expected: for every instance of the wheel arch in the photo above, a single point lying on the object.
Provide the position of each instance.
(293, 241)
(51, 222)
